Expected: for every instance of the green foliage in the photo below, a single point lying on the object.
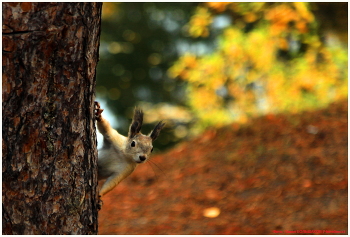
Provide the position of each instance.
(270, 60)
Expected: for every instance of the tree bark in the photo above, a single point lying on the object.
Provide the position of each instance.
(49, 162)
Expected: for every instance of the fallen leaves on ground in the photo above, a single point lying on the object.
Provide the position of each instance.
(278, 173)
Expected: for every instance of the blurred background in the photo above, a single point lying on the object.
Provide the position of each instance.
(254, 96)
(209, 64)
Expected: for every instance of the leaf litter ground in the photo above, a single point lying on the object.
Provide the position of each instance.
(276, 175)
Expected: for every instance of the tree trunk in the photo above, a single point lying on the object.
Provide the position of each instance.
(49, 155)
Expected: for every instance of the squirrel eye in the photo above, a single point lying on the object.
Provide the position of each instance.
(133, 143)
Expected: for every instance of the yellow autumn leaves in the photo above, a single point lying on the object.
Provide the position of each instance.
(198, 25)
(246, 74)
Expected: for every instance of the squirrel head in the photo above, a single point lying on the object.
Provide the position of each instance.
(139, 146)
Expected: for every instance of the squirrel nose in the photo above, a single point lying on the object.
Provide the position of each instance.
(142, 158)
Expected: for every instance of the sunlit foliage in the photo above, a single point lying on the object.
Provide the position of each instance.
(270, 59)
(198, 25)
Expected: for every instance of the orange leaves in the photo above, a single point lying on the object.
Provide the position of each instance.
(181, 67)
(303, 11)
(250, 17)
(231, 43)
(198, 26)
(218, 6)
(283, 15)
(261, 50)
(279, 17)
(204, 99)
(264, 69)
(190, 61)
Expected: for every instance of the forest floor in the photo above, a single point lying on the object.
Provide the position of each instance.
(275, 175)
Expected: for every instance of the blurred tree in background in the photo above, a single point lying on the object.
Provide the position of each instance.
(269, 59)
(231, 61)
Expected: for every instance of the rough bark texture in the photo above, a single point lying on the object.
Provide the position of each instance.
(50, 53)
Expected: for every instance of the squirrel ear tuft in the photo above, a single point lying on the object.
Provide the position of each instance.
(155, 133)
(135, 126)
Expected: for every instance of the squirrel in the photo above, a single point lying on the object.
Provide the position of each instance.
(120, 155)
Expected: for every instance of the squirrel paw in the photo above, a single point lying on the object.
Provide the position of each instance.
(98, 111)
